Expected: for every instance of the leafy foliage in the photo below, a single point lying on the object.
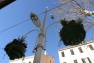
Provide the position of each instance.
(16, 48)
(72, 32)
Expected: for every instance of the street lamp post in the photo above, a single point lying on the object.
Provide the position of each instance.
(40, 46)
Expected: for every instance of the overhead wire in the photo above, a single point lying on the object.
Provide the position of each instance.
(13, 26)
(38, 15)
(3, 55)
(24, 22)
(55, 7)
(78, 5)
(29, 19)
(2, 58)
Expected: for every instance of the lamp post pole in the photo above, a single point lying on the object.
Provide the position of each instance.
(40, 46)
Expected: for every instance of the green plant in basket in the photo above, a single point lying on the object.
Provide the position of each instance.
(72, 32)
(16, 49)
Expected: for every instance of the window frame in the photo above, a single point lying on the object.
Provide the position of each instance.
(80, 50)
(75, 61)
(71, 51)
(83, 60)
(91, 47)
(29, 61)
(62, 54)
(89, 60)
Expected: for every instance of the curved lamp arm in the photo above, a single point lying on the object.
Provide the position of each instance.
(30, 32)
(46, 32)
(51, 25)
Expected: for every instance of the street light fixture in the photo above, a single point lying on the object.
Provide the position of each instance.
(40, 45)
(35, 19)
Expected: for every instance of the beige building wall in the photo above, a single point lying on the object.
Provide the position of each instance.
(47, 59)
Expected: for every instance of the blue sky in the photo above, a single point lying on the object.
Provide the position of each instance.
(19, 11)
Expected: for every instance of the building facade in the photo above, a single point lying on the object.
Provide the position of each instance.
(83, 53)
(44, 59)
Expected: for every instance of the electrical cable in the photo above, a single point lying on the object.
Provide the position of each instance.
(78, 5)
(29, 19)
(55, 7)
(39, 14)
(13, 26)
(2, 58)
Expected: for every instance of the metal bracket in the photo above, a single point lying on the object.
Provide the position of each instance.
(41, 34)
(39, 45)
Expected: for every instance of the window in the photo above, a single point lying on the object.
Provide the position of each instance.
(83, 60)
(80, 49)
(50, 61)
(91, 47)
(29, 62)
(75, 61)
(62, 53)
(72, 52)
(89, 60)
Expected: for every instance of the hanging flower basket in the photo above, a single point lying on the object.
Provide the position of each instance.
(72, 32)
(16, 49)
